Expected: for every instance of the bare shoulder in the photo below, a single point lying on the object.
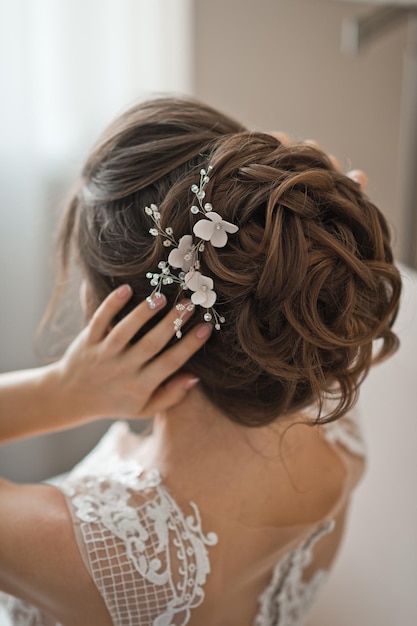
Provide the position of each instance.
(39, 557)
(313, 476)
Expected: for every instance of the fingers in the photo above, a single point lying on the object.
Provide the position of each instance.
(282, 137)
(106, 312)
(170, 394)
(313, 143)
(126, 329)
(335, 162)
(157, 338)
(155, 370)
(175, 357)
(151, 344)
(359, 177)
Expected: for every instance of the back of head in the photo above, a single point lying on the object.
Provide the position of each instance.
(306, 285)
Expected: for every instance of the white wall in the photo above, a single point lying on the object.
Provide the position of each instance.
(277, 65)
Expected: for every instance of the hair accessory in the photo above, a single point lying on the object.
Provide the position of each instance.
(185, 255)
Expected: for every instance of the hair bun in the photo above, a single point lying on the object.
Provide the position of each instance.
(306, 284)
(308, 281)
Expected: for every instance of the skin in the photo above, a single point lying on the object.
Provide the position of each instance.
(196, 434)
(276, 476)
(357, 175)
(100, 374)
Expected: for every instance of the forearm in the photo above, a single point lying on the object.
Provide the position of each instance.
(101, 374)
(32, 402)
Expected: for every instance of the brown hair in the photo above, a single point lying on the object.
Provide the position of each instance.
(306, 285)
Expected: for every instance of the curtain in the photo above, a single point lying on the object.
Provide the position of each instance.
(67, 67)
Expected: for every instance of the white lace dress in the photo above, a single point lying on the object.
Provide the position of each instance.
(150, 555)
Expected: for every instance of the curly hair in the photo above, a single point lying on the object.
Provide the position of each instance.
(306, 285)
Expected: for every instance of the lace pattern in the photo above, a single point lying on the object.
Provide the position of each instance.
(148, 559)
(19, 613)
(288, 598)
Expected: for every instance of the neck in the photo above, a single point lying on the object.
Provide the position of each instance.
(244, 472)
(196, 434)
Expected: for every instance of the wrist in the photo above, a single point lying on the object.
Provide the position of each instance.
(65, 407)
(53, 395)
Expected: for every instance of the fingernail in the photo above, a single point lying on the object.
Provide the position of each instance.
(185, 308)
(359, 177)
(312, 143)
(335, 162)
(156, 300)
(191, 382)
(204, 331)
(282, 137)
(123, 291)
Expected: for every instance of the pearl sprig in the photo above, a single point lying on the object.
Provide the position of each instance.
(185, 255)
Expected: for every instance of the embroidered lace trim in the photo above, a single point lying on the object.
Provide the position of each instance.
(285, 602)
(288, 598)
(148, 559)
(19, 613)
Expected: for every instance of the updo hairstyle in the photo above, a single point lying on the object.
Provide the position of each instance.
(306, 285)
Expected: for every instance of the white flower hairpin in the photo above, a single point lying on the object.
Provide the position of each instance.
(185, 255)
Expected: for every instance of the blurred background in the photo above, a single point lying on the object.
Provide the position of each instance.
(67, 67)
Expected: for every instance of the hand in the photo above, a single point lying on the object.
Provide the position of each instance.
(357, 175)
(101, 374)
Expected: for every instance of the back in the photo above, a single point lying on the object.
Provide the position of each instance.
(159, 559)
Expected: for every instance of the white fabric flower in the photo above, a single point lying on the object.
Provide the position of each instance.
(202, 287)
(214, 229)
(177, 256)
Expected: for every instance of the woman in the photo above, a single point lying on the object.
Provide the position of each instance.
(232, 510)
